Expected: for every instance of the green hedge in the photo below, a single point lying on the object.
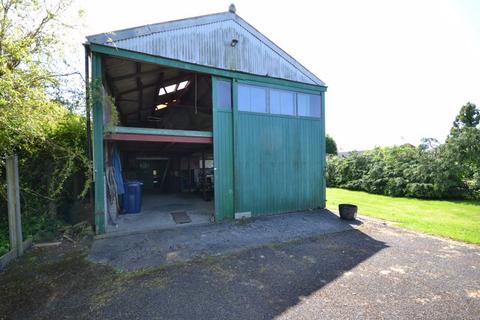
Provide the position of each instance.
(403, 171)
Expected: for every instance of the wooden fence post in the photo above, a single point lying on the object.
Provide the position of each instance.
(14, 219)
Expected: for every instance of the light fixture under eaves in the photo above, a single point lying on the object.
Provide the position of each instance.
(234, 42)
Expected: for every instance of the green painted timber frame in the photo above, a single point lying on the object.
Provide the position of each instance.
(158, 135)
(164, 132)
(223, 156)
(98, 156)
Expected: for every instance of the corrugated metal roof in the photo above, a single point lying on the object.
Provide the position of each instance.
(206, 40)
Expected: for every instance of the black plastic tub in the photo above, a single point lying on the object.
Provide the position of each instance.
(348, 211)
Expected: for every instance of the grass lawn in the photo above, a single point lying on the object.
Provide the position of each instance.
(459, 220)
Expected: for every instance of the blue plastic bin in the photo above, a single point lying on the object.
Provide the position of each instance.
(132, 199)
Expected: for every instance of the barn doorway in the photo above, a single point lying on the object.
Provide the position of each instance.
(162, 140)
(177, 185)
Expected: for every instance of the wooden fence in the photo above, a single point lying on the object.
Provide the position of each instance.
(17, 245)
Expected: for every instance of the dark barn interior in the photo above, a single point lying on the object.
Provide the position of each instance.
(176, 171)
(151, 96)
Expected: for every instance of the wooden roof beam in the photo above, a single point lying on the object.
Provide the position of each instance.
(157, 138)
(136, 74)
(136, 89)
(140, 92)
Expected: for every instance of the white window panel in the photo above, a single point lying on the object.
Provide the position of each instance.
(282, 102)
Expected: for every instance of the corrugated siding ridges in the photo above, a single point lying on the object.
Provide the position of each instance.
(206, 41)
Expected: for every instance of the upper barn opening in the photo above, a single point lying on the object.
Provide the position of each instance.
(153, 96)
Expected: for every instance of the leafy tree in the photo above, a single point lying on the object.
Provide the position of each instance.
(463, 145)
(468, 117)
(429, 143)
(433, 170)
(331, 145)
(48, 138)
(29, 39)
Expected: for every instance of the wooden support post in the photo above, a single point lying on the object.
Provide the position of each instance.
(88, 118)
(140, 92)
(164, 174)
(98, 153)
(189, 184)
(204, 176)
(14, 219)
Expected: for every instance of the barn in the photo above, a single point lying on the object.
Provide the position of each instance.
(201, 120)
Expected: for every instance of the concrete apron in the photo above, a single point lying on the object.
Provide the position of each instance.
(156, 214)
(155, 249)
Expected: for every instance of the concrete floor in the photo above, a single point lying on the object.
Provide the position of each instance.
(156, 209)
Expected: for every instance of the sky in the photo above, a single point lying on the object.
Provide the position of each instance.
(396, 71)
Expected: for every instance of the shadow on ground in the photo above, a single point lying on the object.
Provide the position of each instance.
(253, 283)
(256, 284)
(158, 248)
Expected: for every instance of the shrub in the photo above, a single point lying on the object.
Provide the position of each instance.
(401, 171)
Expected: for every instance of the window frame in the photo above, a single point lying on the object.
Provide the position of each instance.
(295, 92)
(294, 104)
(319, 111)
(267, 100)
(217, 106)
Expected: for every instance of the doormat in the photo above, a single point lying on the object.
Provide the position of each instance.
(180, 217)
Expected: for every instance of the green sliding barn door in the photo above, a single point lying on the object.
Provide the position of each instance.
(223, 148)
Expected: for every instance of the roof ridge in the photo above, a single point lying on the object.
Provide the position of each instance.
(111, 38)
(165, 23)
(173, 28)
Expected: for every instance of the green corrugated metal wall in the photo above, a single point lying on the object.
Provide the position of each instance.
(223, 160)
(273, 163)
(278, 163)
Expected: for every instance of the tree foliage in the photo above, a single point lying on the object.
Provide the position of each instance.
(331, 145)
(432, 170)
(468, 117)
(463, 144)
(49, 139)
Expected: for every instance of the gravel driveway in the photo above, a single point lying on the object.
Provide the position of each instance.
(374, 271)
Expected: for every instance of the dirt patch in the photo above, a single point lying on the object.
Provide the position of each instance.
(473, 294)
(44, 277)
